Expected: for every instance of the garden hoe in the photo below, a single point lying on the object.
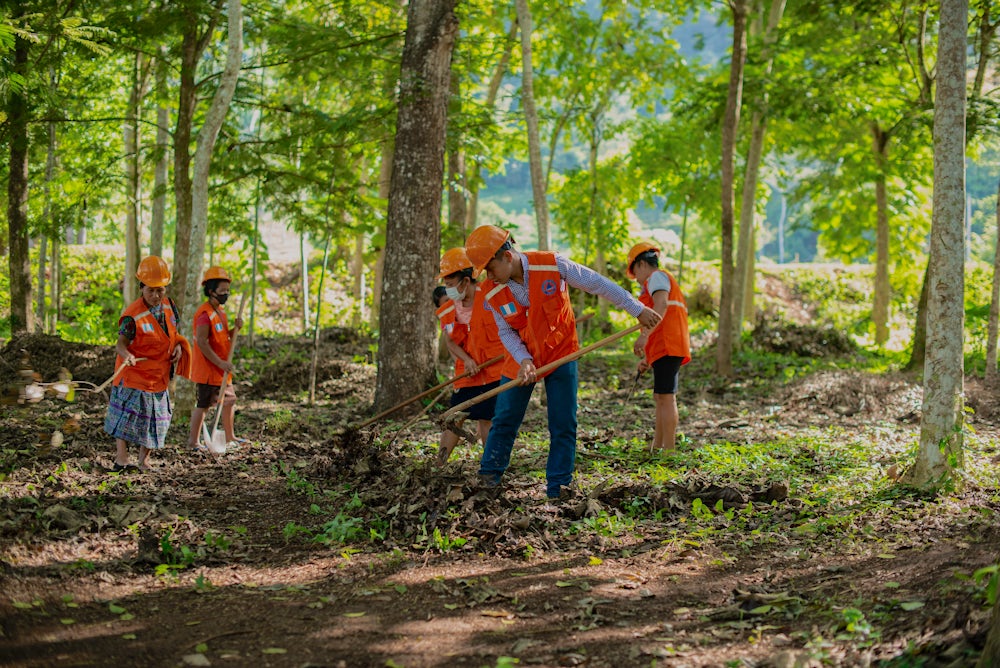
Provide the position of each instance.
(425, 393)
(217, 443)
(452, 418)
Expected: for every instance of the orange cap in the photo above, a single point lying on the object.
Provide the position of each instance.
(153, 271)
(453, 260)
(215, 272)
(637, 250)
(483, 243)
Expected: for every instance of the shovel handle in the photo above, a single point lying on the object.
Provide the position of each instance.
(109, 381)
(427, 392)
(516, 382)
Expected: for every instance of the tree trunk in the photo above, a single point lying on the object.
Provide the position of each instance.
(918, 350)
(162, 151)
(730, 125)
(130, 289)
(19, 262)
(192, 46)
(384, 182)
(880, 308)
(991, 336)
(531, 118)
(746, 246)
(990, 658)
(457, 190)
(55, 294)
(406, 323)
(358, 278)
(203, 154)
(473, 175)
(50, 228)
(941, 438)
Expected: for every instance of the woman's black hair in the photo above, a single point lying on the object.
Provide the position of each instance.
(439, 292)
(462, 273)
(650, 257)
(211, 285)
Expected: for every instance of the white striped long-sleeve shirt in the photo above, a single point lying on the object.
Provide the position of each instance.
(575, 275)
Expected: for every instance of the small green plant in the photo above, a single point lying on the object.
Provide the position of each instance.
(291, 530)
(341, 529)
(279, 420)
(444, 542)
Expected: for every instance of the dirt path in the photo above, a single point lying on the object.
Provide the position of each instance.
(320, 546)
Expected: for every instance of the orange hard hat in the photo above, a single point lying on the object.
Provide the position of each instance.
(215, 272)
(153, 271)
(483, 244)
(637, 250)
(454, 260)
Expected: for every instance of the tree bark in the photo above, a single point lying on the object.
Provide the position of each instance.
(531, 118)
(880, 308)
(918, 350)
(730, 125)
(19, 263)
(384, 183)
(941, 437)
(990, 658)
(406, 323)
(746, 247)
(992, 333)
(207, 135)
(162, 153)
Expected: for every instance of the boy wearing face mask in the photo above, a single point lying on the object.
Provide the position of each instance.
(210, 359)
(472, 339)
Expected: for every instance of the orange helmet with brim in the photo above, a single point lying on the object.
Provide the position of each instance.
(153, 271)
(454, 260)
(637, 250)
(483, 243)
(215, 273)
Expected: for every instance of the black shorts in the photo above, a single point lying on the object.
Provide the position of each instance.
(665, 374)
(484, 409)
(209, 394)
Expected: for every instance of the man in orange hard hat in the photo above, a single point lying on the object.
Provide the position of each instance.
(210, 363)
(528, 295)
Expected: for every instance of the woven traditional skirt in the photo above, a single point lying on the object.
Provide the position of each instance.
(138, 417)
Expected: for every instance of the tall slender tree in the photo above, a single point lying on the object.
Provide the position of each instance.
(538, 188)
(730, 124)
(941, 437)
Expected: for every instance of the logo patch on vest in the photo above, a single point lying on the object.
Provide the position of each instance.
(549, 287)
(218, 326)
(147, 327)
(508, 309)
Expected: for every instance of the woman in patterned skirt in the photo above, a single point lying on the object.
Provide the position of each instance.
(148, 346)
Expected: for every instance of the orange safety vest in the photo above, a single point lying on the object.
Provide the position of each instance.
(151, 342)
(449, 322)
(547, 326)
(670, 337)
(481, 339)
(202, 370)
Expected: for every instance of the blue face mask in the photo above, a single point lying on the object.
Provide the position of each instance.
(454, 294)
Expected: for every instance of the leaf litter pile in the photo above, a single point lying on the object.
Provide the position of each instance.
(774, 536)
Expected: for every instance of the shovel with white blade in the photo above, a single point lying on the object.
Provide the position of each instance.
(216, 443)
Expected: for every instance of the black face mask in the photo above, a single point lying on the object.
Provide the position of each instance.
(222, 299)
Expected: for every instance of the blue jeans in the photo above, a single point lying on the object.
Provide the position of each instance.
(560, 387)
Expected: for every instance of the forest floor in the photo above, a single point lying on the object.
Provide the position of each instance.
(775, 536)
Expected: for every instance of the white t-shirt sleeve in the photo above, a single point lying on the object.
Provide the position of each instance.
(658, 281)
